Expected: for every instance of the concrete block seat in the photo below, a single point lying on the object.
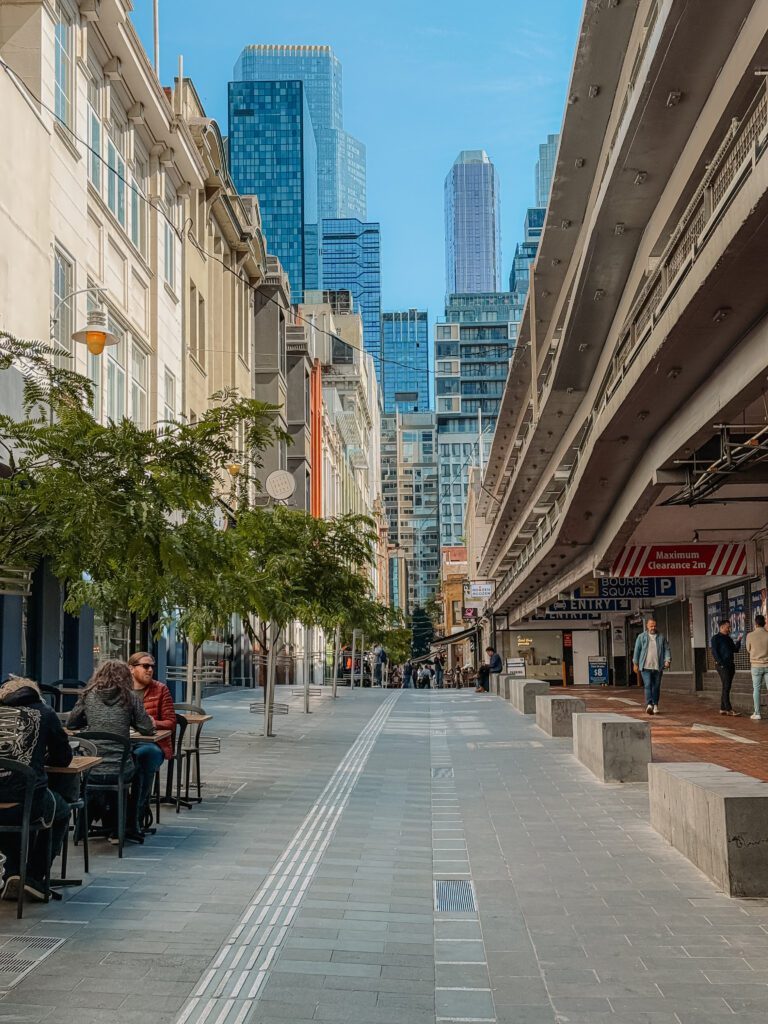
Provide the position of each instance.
(716, 818)
(554, 713)
(614, 747)
(523, 693)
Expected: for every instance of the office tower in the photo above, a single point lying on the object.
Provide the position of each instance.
(545, 169)
(273, 155)
(473, 345)
(405, 355)
(418, 541)
(525, 251)
(341, 157)
(472, 225)
(352, 262)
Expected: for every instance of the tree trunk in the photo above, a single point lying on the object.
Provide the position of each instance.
(269, 689)
(336, 655)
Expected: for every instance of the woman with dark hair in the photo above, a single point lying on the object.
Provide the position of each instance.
(109, 704)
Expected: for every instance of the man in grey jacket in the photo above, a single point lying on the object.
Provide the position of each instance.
(651, 657)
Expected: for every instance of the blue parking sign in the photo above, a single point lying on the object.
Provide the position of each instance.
(598, 671)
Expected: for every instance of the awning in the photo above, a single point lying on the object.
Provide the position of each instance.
(455, 638)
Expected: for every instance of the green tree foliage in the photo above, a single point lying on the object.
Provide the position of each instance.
(423, 631)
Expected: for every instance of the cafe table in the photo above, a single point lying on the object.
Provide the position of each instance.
(80, 764)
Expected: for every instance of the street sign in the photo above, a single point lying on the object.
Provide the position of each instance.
(516, 667)
(548, 616)
(592, 604)
(598, 671)
(682, 560)
(648, 586)
(480, 589)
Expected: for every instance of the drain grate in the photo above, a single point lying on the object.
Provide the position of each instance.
(442, 773)
(457, 895)
(20, 954)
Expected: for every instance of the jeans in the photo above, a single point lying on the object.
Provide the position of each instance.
(439, 678)
(54, 810)
(484, 678)
(726, 673)
(148, 758)
(652, 684)
(759, 673)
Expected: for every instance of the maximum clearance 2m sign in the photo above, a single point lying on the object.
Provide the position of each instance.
(682, 560)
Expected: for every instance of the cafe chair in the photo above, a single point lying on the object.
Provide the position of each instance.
(191, 750)
(47, 690)
(121, 785)
(27, 830)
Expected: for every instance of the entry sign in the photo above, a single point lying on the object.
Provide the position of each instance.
(644, 586)
(592, 604)
(598, 671)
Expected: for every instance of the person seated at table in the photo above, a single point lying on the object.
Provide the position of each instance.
(108, 704)
(158, 703)
(31, 733)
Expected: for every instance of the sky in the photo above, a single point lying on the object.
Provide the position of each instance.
(422, 81)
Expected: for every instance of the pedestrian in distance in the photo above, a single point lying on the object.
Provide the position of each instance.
(724, 647)
(407, 676)
(439, 670)
(757, 648)
(651, 657)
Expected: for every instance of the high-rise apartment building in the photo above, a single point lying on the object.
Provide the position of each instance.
(352, 262)
(472, 225)
(545, 169)
(418, 540)
(405, 355)
(473, 344)
(272, 154)
(341, 157)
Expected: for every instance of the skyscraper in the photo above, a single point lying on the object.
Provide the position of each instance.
(545, 168)
(472, 225)
(472, 350)
(341, 157)
(405, 355)
(352, 262)
(272, 154)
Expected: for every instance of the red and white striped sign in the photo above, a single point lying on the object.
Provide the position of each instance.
(682, 560)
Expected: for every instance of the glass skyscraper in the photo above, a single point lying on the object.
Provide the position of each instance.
(473, 345)
(352, 262)
(341, 157)
(405, 357)
(472, 225)
(272, 154)
(545, 169)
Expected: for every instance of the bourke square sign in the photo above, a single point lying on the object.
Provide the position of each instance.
(682, 560)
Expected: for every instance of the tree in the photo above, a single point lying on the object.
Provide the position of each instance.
(423, 631)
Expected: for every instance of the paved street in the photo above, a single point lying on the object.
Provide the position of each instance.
(302, 888)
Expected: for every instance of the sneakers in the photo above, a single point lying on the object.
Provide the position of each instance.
(36, 890)
(756, 718)
(649, 709)
(656, 709)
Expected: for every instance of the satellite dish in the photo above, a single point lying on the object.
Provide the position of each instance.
(280, 485)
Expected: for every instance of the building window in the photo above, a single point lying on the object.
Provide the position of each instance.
(115, 362)
(139, 365)
(64, 45)
(116, 172)
(94, 129)
(63, 286)
(456, 619)
(170, 238)
(169, 396)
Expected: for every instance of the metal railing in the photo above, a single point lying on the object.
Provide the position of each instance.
(739, 152)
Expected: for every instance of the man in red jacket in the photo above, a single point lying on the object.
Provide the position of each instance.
(158, 704)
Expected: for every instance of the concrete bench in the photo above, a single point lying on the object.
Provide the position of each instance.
(716, 818)
(505, 686)
(554, 713)
(614, 747)
(523, 693)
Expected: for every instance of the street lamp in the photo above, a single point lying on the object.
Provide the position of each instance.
(95, 334)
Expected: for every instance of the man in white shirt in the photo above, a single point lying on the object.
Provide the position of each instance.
(651, 657)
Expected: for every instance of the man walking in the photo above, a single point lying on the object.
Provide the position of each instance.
(651, 657)
(757, 648)
(724, 647)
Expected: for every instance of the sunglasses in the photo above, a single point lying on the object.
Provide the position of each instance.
(146, 664)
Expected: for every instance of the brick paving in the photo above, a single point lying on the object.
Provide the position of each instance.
(302, 888)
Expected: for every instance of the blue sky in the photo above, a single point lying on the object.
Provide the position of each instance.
(422, 81)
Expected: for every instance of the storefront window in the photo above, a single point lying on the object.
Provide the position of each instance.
(111, 640)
